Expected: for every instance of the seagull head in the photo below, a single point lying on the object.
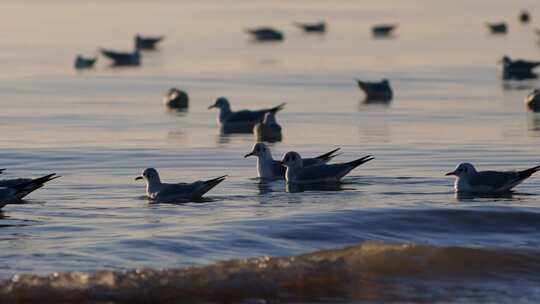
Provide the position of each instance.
(150, 175)
(462, 170)
(221, 103)
(269, 118)
(260, 150)
(291, 159)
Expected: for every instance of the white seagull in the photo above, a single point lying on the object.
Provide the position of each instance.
(468, 180)
(169, 193)
(268, 168)
(298, 174)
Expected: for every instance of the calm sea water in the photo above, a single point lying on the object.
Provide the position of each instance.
(100, 128)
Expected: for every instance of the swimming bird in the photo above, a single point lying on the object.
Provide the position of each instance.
(266, 34)
(147, 43)
(297, 173)
(380, 91)
(518, 69)
(319, 27)
(487, 182)
(383, 30)
(532, 101)
(524, 17)
(84, 63)
(245, 118)
(123, 58)
(176, 99)
(16, 189)
(497, 28)
(268, 130)
(170, 193)
(268, 168)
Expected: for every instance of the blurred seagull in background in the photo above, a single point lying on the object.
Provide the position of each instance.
(487, 182)
(268, 168)
(123, 58)
(147, 43)
(532, 101)
(266, 34)
(84, 63)
(319, 27)
(383, 30)
(518, 69)
(171, 193)
(245, 118)
(297, 173)
(176, 99)
(268, 130)
(497, 28)
(376, 91)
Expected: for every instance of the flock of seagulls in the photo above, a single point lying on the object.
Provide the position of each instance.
(292, 167)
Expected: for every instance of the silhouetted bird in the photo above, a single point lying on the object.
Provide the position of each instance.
(497, 28)
(383, 30)
(532, 101)
(376, 91)
(84, 63)
(266, 34)
(147, 43)
(518, 69)
(176, 99)
(246, 118)
(268, 130)
(312, 27)
(524, 17)
(123, 58)
(14, 190)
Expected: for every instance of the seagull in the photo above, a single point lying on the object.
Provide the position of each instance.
(170, 193)
(383, 30)
(2, 170)
(497, 28)
(268, 130)
(532, 101)
(123, 58)
(297, 173)
(176, 99)
(84, 63)
(147, 43)
(268, 168)
(518, 69)
(469, 180)
(319, 27)
(380, 91)
(266, 34)
(244, 117)
(13, 190)
(524, 17)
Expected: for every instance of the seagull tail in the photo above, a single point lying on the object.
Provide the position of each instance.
(278, 108)
(358, 162)
(209, 184)
(25, 188)
(526, 173)
(2, 170)
(326, 157)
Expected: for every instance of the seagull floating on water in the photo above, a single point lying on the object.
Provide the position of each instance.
(123, 58)
(497, 28)
(468, 180)
(524, 17)
(319, 27)
(383, 30)
(376, 91)
(518, 69)
(297, 173)
(268, 168)
(245, 118)
(14, 190)
(84, 63)
(176, 99)
(266, 34)
(268, 130)
(532, 101)
(147, 43)
(171, 193)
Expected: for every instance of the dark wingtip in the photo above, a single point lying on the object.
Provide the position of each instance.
(528, 172)
(360, 161)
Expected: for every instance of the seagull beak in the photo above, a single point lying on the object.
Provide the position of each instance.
(248, 155)
(138, 178)
(450, 173)
(211, 106)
